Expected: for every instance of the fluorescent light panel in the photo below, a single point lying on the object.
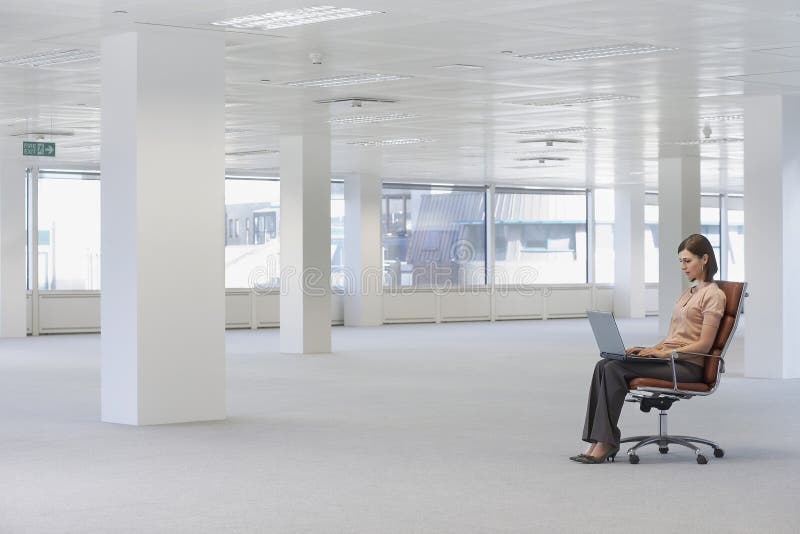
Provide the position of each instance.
(598, 52)
(724, 118)
(293, 17)
(352, 79)
(369, 119)
(251, 152)
(49, 57)
(571, 101)
(555, 131)
(709, 141)
(387, 142)
(459, 66)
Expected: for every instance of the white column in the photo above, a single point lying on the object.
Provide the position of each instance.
(163, 201)
(629, 290)
(305, 228)
(363, 303)
(678, 217)
(772, 219)
(13, 311)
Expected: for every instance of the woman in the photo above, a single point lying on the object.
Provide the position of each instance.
(693, 327)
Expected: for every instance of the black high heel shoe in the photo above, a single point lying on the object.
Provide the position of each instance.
(609, 455)
(578, 457)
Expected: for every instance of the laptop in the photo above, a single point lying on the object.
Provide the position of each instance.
(607, 335)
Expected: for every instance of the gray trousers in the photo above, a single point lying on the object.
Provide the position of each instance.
(610, 385)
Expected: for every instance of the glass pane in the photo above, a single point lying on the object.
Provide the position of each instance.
(604, 236)
(337, 235)
(735, 259)
(69, 233)
(651, 239)
(433, 237)
(252, 237)
(540, 238)
(710, 223)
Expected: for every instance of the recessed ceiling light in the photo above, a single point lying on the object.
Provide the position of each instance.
(389, 142)
(571, 101)
(351, 79)
(555, 131)
(459, 66)
(49, 57)
(598, 52)
(293, 17)
(369, 119)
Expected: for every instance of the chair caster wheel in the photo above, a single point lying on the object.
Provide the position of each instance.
(719, 453)
(701, 459)
(663, 450)
(632, 458)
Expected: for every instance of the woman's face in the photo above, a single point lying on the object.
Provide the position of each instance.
(691, 265)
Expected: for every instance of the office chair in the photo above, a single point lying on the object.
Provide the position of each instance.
(661, 394)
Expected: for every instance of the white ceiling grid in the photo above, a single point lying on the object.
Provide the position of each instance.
(723, 51)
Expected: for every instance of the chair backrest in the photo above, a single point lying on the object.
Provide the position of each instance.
(735, 293)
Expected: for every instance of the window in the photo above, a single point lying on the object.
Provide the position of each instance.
(337, 235)
(604, 236)
(69, 230)
(540, 237)
(651, 238)
(434, 236)
(710, 223)
(252, 258)
(734, 260)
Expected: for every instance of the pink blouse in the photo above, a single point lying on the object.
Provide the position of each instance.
(694, 308)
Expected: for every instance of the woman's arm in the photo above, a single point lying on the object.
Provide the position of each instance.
(702, 345)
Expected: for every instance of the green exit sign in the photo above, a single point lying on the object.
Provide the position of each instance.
(37, 148)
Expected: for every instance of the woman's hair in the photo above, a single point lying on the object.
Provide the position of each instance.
(698, 245)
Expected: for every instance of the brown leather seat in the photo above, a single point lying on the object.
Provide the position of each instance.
(661, 394)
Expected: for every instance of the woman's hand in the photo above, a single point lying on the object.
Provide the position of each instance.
(653, 352)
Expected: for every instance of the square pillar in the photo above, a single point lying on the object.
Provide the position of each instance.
(13, 310)
(772, 219)
(629, 289)
(678, 217)
(305, 243)
(163, 201)
(363, 303)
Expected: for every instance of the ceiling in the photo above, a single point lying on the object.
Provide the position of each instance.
(470, 118)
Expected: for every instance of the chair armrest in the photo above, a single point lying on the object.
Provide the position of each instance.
(678, 354)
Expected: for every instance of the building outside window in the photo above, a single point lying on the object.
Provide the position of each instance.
(604, 236)
(434, 236)
(540, 237)
(734, 261)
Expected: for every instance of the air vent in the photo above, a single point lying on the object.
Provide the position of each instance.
(724, 118)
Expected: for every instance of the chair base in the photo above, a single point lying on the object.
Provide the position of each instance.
(664, 440)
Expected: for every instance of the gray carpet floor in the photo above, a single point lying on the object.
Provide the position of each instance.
(452, 428)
